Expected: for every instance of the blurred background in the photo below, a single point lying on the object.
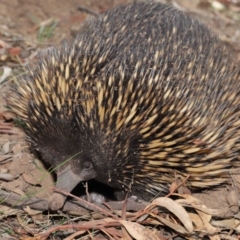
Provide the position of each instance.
(34, 23)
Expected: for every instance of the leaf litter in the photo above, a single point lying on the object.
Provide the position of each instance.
(25, 183)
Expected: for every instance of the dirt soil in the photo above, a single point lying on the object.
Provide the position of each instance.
(27, 27)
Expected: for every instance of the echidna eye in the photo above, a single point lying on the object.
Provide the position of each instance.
(87, 165)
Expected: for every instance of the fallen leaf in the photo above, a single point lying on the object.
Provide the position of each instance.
(30, 179)
(20, 192)
(226, 223)
(17, 148)
(6, 147)
(204, 214)
(197, 221)
(195, 203)
(215, 237)
(138, 231)
(30, 211)
(174, 226)
(9, 115)
(6, 73)
(7, 211)
(5, 157)
(176, 209)
(11, 186)
(7, 177)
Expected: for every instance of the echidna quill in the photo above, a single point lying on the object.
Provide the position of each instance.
(142, 93)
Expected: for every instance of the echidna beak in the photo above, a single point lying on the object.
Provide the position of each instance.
(66, 181)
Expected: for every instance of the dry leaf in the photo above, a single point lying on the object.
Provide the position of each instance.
(11, 186)
(215, 237)
(125, 234)
(30, 179)
(197, 221)
(173, 187)
(9, 115)
(195, 203)
(226, 223)
(7, 211)
(6, 147)
(138, 231)
(23, 223)
(7, 177)
(6, 73)
(30, 211)
(176, 209)
(17, 148)
(5, 157)
(203, 213)
(19, 192)
(3, 170)
(174, 226)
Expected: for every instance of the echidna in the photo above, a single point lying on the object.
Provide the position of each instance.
(142, 93)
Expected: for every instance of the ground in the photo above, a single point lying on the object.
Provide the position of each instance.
(28, 26)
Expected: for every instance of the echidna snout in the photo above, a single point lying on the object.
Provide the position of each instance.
(66, 181)
(143, 93)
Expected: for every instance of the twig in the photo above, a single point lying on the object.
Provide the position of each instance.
(96, 224)
(76, 208)
(106, 212)
(87, 193)
(87, 10)
(187, 177)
